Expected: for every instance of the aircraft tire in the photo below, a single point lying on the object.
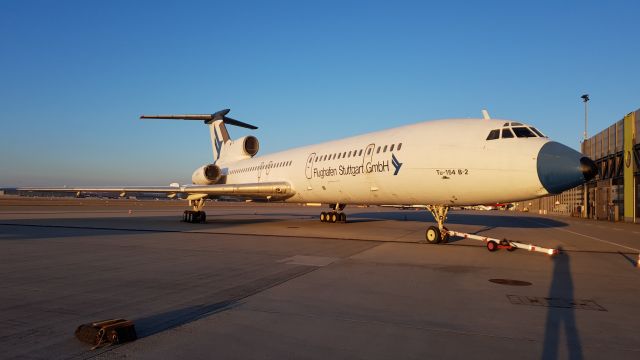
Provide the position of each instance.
(492, 246)
(323, 217)
(432, 235)
(333, 217)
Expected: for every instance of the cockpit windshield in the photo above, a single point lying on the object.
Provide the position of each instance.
(522, 131)
(510, 128)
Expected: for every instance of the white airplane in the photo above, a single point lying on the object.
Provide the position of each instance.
(436, 164)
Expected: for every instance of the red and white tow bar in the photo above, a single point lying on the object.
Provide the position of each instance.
(495, 244)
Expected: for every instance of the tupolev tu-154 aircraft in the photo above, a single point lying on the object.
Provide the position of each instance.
(436, 164)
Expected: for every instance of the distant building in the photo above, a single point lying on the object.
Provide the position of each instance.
(613, 193)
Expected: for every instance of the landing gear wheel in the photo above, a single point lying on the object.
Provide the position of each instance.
(432, 235)
(343, 217)
(333, 217)
(323, 216)
(492, 246)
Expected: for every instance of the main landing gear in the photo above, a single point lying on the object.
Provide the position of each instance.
(439, 234)
(196, 215)
(335, 216)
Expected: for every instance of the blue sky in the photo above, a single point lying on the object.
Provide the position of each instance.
(75, 75)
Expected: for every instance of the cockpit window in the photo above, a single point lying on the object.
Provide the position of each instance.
(537, 132)
(494, 134)
(506, 133)
(513, 123)
(523, 132)
(505, 124)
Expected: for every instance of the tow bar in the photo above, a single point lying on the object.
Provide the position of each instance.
(495, 244)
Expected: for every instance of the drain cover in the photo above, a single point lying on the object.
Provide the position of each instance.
(582, 304)
(510, 282)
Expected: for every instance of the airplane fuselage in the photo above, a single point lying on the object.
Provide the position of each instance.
(448, 162)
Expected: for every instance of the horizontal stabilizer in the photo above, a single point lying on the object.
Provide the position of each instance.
(207, 118)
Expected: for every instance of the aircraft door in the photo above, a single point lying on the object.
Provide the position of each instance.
(367, 155)
(260, 169)
(308, 168)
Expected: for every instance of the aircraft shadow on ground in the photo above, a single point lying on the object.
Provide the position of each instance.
(488, 220)
(38, 229)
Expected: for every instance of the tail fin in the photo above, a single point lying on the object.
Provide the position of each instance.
(219, 136)
(217, 128)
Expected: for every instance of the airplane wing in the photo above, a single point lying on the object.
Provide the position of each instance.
(279, 190)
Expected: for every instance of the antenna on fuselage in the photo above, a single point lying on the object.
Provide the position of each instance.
(485, 115)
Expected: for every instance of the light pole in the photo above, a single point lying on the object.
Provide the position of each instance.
(585, 99)
(585, 190)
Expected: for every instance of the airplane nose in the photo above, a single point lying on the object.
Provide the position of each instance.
(561, 168)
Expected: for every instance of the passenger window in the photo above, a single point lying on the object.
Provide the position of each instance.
(344, 154)
(349, 155)
(385, 148)
(399, 146)
(392, 145)
(378, 151)
(523, 132)
(360, 152)
(494, 134)
(506, 133)
(369, 151)
(339, 155)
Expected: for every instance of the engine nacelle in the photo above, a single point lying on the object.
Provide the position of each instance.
(244, 147)
(207, 175)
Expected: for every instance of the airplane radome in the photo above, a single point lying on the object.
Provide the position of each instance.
(441, 163)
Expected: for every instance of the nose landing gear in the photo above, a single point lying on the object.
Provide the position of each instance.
(439, 234)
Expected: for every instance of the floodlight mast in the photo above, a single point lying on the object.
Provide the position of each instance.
(585, 99)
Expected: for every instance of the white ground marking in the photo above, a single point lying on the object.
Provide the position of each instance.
(587, 236)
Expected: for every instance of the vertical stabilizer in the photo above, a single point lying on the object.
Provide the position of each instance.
(219, 137)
